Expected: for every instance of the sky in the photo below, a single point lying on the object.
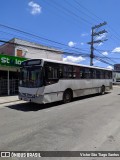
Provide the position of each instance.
(66, 25)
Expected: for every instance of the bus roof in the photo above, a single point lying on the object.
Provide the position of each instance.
(62, 62)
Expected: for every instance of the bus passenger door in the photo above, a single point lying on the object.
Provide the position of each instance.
(52, 83)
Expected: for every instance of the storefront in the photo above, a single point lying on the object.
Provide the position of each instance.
(9, 74)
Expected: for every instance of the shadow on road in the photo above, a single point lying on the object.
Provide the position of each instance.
(89, 96)
(27, 107)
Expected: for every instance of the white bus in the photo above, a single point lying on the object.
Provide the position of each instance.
(45, 81)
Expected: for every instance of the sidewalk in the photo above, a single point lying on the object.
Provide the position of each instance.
(8, 99)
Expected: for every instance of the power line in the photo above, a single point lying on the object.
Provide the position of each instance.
(109, 57)
(33, 35)
(70, 12)
(62, 12)
(103, 61)
(75, 15)
(62, 49)
(67, 53)
(51, 50)
(77, 9)
(117, 36)
(80, 5)
(106, 57)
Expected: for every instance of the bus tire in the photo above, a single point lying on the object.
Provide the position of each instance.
(67, 96)
(102, 90)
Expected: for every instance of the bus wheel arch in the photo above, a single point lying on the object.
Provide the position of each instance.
(102, 92)
(67, 95)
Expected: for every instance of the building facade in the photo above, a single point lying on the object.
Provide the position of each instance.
(12, 54)
(22, 48)
(9, 74)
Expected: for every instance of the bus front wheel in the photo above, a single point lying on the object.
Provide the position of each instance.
(67, 96)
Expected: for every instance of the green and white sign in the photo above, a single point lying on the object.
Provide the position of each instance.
(6, 60)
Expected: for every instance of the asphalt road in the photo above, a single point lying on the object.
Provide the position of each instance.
(90, 123)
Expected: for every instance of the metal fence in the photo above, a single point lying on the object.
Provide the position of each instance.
(13, 86)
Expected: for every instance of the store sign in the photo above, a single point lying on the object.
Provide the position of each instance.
(11, 60)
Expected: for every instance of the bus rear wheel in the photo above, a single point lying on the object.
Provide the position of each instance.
(67, 96)
(102, 90)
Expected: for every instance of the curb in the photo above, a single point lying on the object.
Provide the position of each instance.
(10, 101)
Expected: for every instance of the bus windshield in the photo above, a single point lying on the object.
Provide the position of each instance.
(31, 77)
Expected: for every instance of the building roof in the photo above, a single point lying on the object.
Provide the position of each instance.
(35, 45)
(24, 43)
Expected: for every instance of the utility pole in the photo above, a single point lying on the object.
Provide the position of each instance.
(92, 49)
(93, 34)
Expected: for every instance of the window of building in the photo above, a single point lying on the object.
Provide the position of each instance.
(19, 53)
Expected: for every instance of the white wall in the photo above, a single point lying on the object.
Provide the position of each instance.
(33, 53)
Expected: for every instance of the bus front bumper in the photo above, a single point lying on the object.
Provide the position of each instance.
(31, 98)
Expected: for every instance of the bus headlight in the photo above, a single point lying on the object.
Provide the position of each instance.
(37, 95)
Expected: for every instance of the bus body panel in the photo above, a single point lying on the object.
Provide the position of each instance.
(53, 90)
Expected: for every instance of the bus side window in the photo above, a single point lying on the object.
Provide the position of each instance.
(60, 71)
(98, 74)
(102, 74)
(76, 72)
(87, 73)
(67, 71)
(106, 75)
(91, 73)
(51, 73)
(82, 74)
(94, 74)
(110, 74)
(60, 74)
